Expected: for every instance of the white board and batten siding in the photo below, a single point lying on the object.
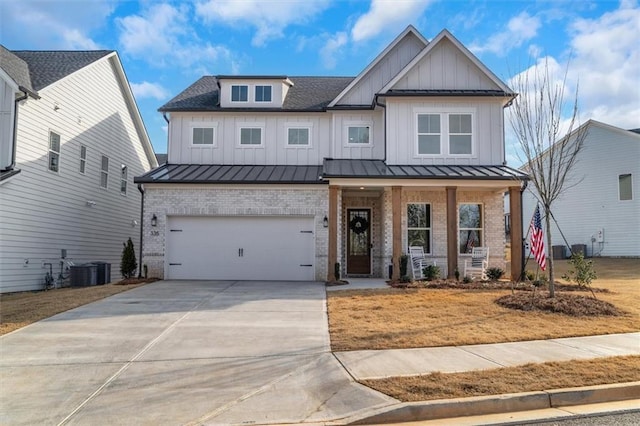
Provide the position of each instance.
(43, 211)
(593, 203)
(8, 91)
(341, 148)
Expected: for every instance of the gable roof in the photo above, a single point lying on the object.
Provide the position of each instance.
(444, 34)
(48, 66)
(17, 69)
(307, 94)
(409, 30)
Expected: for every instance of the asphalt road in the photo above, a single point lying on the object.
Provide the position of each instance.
(620, 419)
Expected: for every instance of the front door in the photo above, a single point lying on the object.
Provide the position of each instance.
(358, 241)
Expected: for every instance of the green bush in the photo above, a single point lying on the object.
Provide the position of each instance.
(336, 270)
(405, 279)
(431, 272)
(582, 272)
(456, 273)
(467, 279)
(128, 262)
(494, 273)
(404, 260)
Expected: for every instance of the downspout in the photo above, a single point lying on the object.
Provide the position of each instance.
(384, 106)
(141, 189)
(14, 142)
(523, 187)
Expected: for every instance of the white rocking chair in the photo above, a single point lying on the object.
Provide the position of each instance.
(417, 262)
(478, 264)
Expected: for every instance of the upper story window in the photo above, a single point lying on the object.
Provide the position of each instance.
(625, 189)
(203, 134)
(429, 134)
(469, 227)
(83, 158)
(460, 134)
(444, 133)
(250, 136)
(263, 94)
(419, 226)
(239, 93)
(123, 179)
(358, 135)
(298, 137)
(54, 152)
(104, 172)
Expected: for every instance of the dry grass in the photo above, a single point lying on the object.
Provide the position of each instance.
(20, 309)
(408, 318)
(526, 378)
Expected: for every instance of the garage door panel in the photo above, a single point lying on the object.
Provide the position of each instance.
(241, 248)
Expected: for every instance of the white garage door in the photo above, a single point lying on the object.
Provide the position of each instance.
(241, 248)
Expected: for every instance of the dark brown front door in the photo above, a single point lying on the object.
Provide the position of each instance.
(358, 241)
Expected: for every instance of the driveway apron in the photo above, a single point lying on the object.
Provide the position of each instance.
(182, 352)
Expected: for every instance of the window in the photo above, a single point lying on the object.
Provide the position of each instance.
(104, 172)
(83, 158)
(203, 136)
(419, 226)
(298, 136)
(358, 135)
(54, 152)
(239, 93)
(460, 134)
(429, 134)
(470, 227)
(624, 187)
(263, 94)
(123, 180)
(251, 136)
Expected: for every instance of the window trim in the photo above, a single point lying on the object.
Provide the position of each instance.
(124, 170)
(203, 125)
(630, 175)
(481, 229)
(307, 126)
(255, 93)
(250, 125)
(83, 160)
(231, 93)
(350, 124)
(417, 132)
(449, 133)
(104, 172)
(429, 228)
(445, 140)
(51, 151)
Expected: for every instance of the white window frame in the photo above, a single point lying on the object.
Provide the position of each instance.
(620, 176)
(350, 124)
(253, 125)
(231, 93)
(481, 229)
(445, 146)
(124, 175)
(83, 159)
(255, 93)
(54, 152)
(290, 126)
(417, 132)
(104, 172)
(428, 228)
(203, 125)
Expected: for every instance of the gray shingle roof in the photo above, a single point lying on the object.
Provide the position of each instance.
(306, 94)
(47, 67)
(16, 68)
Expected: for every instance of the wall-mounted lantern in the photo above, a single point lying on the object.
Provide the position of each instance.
(154, 220)
(325, 222)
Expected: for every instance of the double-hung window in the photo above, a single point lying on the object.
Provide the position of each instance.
(429, 134)
(419, 226)
(449, 133)
(54, 152)
(239, 93)
(263, 94)
(123, 179)
(470, 227)
(104, 172)
(83, 159)
(250, 136)
(460, 134)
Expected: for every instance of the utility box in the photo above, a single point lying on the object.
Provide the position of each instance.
(103, 272)
(84, 275)
(579, 248)
(559, 252)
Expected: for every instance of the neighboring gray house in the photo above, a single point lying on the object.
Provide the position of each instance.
(282, 177)
(72, 141)
(602, 210)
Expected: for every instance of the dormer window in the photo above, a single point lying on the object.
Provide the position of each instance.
(263, 94)
(239, 93)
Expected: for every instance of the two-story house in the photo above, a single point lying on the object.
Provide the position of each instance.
(72, 140)
(282, 177)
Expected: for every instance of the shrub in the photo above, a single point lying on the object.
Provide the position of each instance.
(494, 274)
(431, 272)
(336, 270)
(582, 272)
(128, 262)
(456, 273)
(405, 279)
(467, 279)
(404, 260)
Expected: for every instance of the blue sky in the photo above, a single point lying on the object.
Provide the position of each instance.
(167, 45)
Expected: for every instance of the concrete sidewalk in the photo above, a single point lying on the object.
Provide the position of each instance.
(452, 359)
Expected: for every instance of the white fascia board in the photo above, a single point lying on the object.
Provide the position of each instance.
(7, 78)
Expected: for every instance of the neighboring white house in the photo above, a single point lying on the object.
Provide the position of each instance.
(72, 141)
(282, 177)
(601, 209)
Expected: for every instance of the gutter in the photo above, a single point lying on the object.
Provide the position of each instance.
(141, 189)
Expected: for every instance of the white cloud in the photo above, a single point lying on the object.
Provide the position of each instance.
(149, 90)
(387, 15)
(520, 29)
(269, 18)
(332, 48)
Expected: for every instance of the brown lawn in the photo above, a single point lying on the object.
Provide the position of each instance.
(407, 318)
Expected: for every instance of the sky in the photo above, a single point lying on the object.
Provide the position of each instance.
(165, 46)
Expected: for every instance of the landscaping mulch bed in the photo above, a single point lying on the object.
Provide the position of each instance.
(488, 285)
(568, 304)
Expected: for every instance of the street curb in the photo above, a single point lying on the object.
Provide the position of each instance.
(482, 405)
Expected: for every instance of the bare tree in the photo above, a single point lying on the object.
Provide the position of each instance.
(547, 129)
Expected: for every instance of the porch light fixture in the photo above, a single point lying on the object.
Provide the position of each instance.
(362, 187)
(154, 220)
(325, 222)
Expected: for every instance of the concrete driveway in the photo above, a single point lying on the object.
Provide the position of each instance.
(182, 352)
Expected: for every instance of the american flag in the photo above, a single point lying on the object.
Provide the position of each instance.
(537, 240)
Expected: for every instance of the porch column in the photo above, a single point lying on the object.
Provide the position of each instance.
(333, 233)
(396, 212)
(515, 209)
(452, 230)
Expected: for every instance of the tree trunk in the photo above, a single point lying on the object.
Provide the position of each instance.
(552, 284)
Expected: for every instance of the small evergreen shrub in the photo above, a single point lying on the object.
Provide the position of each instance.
(128, 262)
(582, 272)
(404, 260)
(494, 274)
(467, 279)
(431, 272)
(456, 273)
(336, 270)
